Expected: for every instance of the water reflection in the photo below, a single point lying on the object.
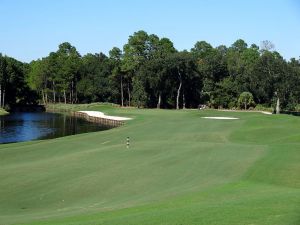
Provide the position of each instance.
(25, 126)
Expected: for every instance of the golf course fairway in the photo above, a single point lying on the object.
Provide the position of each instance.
(180, 169)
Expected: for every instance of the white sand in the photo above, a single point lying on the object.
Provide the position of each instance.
(253, 111)
(102, 115)
(267, 113)
(220, 118)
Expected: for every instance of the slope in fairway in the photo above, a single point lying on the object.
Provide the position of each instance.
(179, 169)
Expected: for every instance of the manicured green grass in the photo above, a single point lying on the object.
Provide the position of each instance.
(179, 169)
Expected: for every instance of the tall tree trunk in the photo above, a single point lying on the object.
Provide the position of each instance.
(277, 106)
(122, 94)
(72, 92)
(43, 97)
(46, 97)
(183, 101)
(128, 90)
(76, 96)
(179, 88)
(65, 97)
(245, 105)
(159, 100)
(0, 96)
(3, 98)
(178, 94)
(53, 90)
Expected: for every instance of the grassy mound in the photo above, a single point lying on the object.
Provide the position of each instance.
(179, 169)
(3, 112)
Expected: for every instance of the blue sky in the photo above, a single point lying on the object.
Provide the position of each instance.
(30, 29)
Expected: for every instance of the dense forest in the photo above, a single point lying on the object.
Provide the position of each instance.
(150, 72)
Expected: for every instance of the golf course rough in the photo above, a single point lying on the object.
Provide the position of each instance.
(179, 169)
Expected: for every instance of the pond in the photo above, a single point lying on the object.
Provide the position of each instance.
(26, 126)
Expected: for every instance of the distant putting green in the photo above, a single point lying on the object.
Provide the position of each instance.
(180, 169)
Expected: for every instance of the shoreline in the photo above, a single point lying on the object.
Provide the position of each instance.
(101, 118)
(99, 114)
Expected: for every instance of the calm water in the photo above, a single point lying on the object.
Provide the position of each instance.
(25, 126)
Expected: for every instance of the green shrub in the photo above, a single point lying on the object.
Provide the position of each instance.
(232, 105)
(297, 107)
(245, 100)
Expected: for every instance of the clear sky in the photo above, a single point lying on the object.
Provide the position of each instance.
(31, 29)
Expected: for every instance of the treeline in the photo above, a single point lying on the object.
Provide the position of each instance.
(150, 72)
(13, 85)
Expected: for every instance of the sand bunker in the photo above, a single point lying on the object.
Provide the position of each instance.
(267, 113)
(253, 111)
(220, 118)
(102, 115)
